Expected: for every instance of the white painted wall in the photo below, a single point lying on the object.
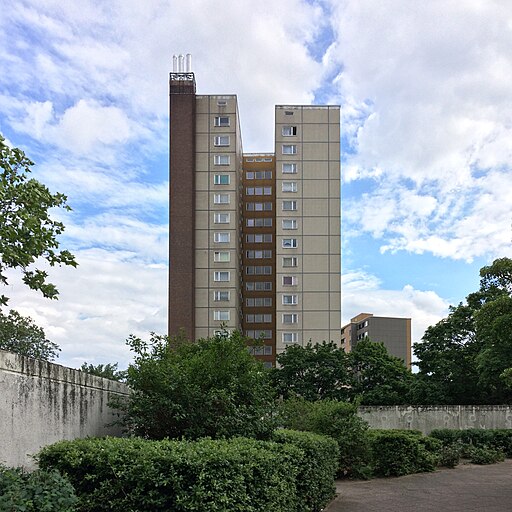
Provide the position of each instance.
(42, 403)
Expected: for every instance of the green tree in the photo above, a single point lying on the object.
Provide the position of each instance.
(465, 357)
(314, 372)
(378, 377)
(212, 387)
(107, 371)
(446, 359)
(21, 335)
(27, 233)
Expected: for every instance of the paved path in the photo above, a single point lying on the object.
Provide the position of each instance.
(467, 488)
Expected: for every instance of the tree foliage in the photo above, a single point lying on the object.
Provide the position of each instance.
(314, 372)
(21, 335)
(465, 358)
(378, 378)
(107, 371)
(212, 387)
(27, 232)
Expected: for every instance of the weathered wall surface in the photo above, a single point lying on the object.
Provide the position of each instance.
(41, 403)
(428, 418)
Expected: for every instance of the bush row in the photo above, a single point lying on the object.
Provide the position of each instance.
(39, 491)
(495, 439)
(295, 472)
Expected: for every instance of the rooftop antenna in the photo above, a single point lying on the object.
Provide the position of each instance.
(188, 63)
(174, 63)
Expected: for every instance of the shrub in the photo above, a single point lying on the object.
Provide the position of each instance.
(449, 455)
(484, 455)
(121, 475)
(338, 420)
(402, 452)
(39, 491)
(496, 439)
(315, 484)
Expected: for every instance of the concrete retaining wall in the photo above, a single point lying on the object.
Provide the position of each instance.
(41, 403)
(428, 418)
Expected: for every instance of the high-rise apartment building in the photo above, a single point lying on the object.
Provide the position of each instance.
(254, 238)
(395, 333)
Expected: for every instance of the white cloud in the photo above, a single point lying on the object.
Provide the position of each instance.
(425, 86)
(109, 296)
(363, 293)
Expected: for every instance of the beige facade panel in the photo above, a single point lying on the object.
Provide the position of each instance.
(334, 151)
(317, 151)
(334, 208)
(202, 278)
(335, 228)
(335, 263)
(315, 132)
(315, 115)
(315, 244)
(203, 181)
(316, 320)
(315, 263)
(282, 117)
(202, 258)
(202, 219)
(315, 208)
(335, 321)
(202, 316)
(201, 332)
(334, 281)
(315, 188)
(311, 226)
(316, 282)
(334, 114)
(334, 132)
(315, 301)
(316, 170)
(316, 336)
(202, 200)
(202, 143)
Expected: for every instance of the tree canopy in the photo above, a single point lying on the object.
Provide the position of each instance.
(466, 357)
(27, 232)
(209, 388)
(21, 335)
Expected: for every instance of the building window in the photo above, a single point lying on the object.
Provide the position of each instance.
(289, 206)
(258, 191)
(258, 318)
(258, 238)
(258, 255)
(222, 316)
(221, 179)
(289, 149)
(258, 270)
(221, 276)
(221, 218)
(221, 121)
(289, 224)
(258, 334)
(257, 302)
(221, 296)
(289, 131)
(221, 238)
(259, 223)
(221, 159)
(258, 207)
(221, 199)
(289, 281)
(258, 175)
(290, 261)
(289, 300)
(258, 286)
(221, 256)
(289, 168)
(290, 337)
(290, 318)
(221, 140)
(289, 243)
(289, 186)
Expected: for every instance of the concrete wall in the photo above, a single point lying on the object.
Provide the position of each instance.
(428, 418)
(42, 403)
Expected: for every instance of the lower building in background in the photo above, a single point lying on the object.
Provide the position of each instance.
(395, 333)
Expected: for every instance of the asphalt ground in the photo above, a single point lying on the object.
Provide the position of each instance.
(466, 488)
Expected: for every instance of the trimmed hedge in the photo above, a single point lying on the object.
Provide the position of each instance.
(495, 439)
(338, 420)
(246, 475)
(315, 485)
(39, 491)
(402, 452)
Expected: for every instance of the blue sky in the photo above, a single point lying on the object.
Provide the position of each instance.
(426, 148)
